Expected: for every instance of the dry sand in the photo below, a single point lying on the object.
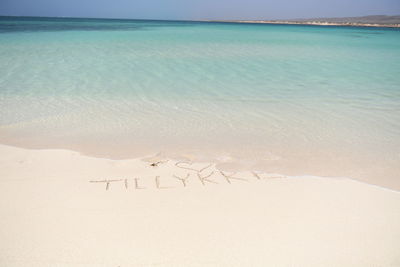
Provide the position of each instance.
(53, 215)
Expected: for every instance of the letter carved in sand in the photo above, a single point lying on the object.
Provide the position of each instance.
(158, 183)
(137, 184)
(190, 166)
(230, 176)
(110, 181)
(183, 180)
(259, 177)
(204, 179)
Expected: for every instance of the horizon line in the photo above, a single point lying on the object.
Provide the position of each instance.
(192, 20)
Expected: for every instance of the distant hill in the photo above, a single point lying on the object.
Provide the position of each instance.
(376, 19)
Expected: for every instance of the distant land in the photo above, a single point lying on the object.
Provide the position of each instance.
(365, 21)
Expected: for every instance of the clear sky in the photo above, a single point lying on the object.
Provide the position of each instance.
(200, 9)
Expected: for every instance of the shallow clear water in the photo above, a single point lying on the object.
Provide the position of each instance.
(295, 99)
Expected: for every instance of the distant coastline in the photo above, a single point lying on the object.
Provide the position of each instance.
(319, 23)
(366, 21)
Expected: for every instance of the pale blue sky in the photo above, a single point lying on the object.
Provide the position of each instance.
(199, 9)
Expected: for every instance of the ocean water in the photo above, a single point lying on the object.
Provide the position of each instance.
(279, 98)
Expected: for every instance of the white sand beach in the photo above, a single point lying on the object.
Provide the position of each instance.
(56, 211)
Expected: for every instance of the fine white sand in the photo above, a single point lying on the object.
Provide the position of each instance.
(52, 215)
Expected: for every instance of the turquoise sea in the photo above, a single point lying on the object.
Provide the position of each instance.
(281, 98)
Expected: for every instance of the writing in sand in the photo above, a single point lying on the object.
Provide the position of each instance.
(203, 176)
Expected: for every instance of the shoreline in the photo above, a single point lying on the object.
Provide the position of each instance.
(154, 160)
(254, 159)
